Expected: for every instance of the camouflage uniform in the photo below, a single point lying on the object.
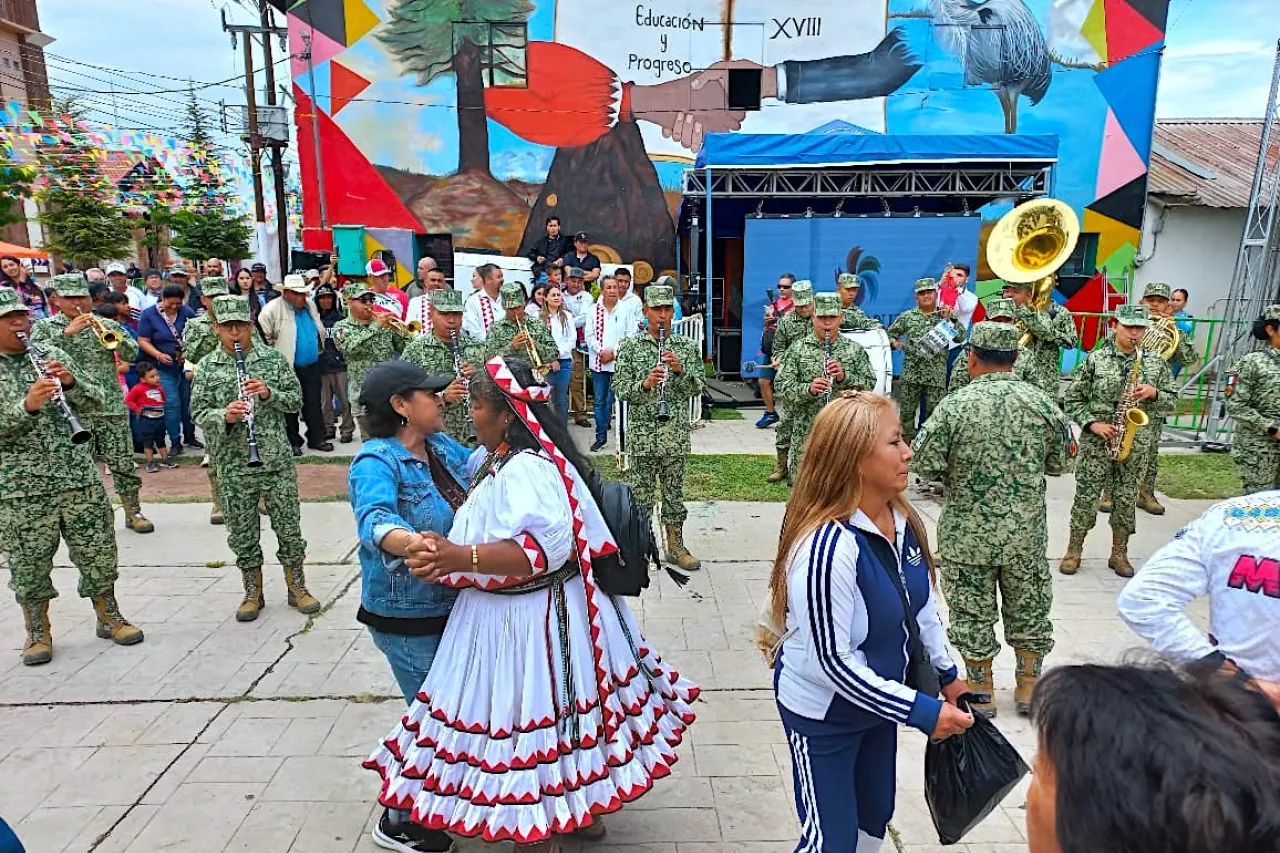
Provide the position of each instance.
(436, 357)
(364, 344)
(791, 328)
(503, 332)
(1052, 330)
(659, 451)
(112, 441)
(1253, 400)
(50, 489)
(1185, 355)
(853, 318)
(921, 375)
(998, 310)
(198, 341)
(992, 529)
(1093, 396)
(806, 361)
(275, 484)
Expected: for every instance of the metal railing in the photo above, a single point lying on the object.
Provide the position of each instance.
(690, 327)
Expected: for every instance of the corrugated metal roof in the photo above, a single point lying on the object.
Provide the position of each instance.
(1207, 162)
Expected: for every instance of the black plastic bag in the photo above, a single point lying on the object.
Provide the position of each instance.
(967, 775)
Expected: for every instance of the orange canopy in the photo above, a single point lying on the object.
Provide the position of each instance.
(21, 251)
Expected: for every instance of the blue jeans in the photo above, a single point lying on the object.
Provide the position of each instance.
(409, 657)
(177, 406)
(602, 381)
(559, 382)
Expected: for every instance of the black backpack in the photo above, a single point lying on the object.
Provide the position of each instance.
(626, 572)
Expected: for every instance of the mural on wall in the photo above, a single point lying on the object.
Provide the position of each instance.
(483, 117)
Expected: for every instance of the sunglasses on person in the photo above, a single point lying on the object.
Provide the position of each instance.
(784, 287)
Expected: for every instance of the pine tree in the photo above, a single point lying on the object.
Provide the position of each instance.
(15, 185)
(207, 226)
(79, 211)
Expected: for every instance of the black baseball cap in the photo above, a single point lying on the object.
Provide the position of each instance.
(581, 235)
(390, 378)
(258, 267)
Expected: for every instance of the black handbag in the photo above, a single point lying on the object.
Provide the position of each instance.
(626, 571)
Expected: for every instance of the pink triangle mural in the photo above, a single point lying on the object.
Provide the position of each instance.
(323, 48)
(1120, 162)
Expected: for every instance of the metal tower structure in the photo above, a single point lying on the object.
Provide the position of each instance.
(1256, 282)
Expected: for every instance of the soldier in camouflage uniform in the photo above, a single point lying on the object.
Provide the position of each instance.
(923, 375)
(364, 338)
(992, 442)
(112, 442)
(511, 336)
(660, 451)
(807, 379)
(199, 340)
(274, 390)
(434, 353)
(793, 326)
(50, 488)
(1253, 400)
(1052, 330)
(852, 318)
(1156, 297)
(999, 310)
(1091, 401)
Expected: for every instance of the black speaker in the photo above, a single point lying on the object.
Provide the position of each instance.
(300, 260)
(744, 89)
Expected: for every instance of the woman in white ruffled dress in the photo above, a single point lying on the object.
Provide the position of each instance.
(546, 707)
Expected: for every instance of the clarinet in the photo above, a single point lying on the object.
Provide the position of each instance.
(664, 410)
(826, 354)
(79, 435)
(242, 377)
(456, 344)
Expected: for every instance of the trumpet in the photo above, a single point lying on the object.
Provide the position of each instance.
(400, 327)
(532, 346)
(108, 338)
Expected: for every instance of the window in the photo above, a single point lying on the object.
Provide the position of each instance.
(1084, 260)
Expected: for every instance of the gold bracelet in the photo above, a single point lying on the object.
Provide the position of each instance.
(475, 559)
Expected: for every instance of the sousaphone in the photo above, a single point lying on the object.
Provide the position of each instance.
(1030, 243)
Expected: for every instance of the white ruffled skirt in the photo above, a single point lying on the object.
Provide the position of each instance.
(509, 738)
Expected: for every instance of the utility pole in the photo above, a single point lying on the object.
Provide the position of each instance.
(277, 158)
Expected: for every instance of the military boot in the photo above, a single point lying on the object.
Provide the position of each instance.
(215, 514)
(1070, 563)
(981, 683)
(1026, 675)
(1119, 560)
(299, 598)
(111, 625)
(780, 472)
(253, 600)
(1147, 495)
(677, 554)
(1104, 503)
(39, 645)
(133, 517)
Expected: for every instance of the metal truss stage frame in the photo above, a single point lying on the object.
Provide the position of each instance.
(958, 181)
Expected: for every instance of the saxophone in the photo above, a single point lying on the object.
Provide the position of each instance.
(1128, 416)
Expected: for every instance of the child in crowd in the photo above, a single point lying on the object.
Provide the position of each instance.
(146, 400)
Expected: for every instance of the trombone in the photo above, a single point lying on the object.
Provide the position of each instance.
(108, 338)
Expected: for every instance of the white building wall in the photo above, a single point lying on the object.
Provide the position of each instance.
(1194, 248)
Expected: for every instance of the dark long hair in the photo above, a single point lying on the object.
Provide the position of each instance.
(519, 436)
(1260, 326)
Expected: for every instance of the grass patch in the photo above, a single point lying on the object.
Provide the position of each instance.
(1203, 476)
(719, 477)
(721, 414)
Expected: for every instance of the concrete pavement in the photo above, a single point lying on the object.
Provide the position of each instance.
(215, 736)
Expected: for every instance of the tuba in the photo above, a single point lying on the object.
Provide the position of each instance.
(1030, 244)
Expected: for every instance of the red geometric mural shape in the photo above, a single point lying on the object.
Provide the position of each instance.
(362, 197)
(1120, 162)
(344, 84)
(323, 48)
(1128, 31)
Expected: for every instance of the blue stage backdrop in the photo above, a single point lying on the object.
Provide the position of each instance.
(888, 256)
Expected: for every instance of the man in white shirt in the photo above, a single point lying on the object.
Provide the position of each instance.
(579, 302)
(484, 309)
(608, 322)
(628, 297)
(420, 306)
(119, 278)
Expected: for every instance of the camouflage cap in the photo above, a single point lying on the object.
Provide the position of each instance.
(512, 295)
(923, 284)
(10, 302)
(355, 290)
(231, 309)
(214, 285)
(827, 305)
(70, 284)
(1271, 312)
(1133, 315)
(573, 272)
(802, 293)
(847, 279)
(997, 337)
(1001, 308)
(659, 296)
(1157, 288)
(446, 301)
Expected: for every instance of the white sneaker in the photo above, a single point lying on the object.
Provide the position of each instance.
(204, 463)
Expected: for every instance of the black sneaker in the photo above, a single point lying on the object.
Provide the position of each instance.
(410, 838)
(168, 463)
(598, 446)
(297, 451)
(152, 467)
(196, 443)
(176, 450)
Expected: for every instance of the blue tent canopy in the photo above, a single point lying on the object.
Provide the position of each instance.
(779, 151)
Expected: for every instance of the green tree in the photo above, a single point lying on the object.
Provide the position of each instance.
(471, 39)
(79, 211)
(206, 226)
(15, 185)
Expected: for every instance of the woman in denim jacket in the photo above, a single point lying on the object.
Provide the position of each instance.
(405, 481)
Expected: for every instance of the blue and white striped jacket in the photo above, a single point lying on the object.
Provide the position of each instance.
(845, 653)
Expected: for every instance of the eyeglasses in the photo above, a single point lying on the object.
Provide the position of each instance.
(784, 287)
